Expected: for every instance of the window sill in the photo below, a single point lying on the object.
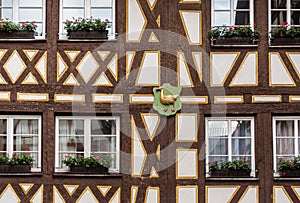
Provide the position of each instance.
(279, 178)
(22, 174)
(22, 40)
(87, 40)
(232, 179)
(284, 46)
(234, 45)
(67, 174)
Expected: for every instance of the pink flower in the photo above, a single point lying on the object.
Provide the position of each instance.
(66, 156)
(31, 165)
(23, 24)
(254, 25)
(106, 20)
(281, 34)
(284, 23)
(102, 25)
(97, 157)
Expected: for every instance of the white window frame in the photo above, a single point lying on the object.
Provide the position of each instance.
(87, 136)
(229, 119)
(296, 143)
(232, 9)
(87, 14)
(10, 134)
(15, 16)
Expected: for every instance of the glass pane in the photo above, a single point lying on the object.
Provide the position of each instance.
(278, 17)
(102, 3)
(30, 15)
(241, 18)
(39, 29)
(70, 14)
(218, 146)
(34, 155)
(284, 128)
(217, 128)
(241, 4)
(30, 3)
(6, 13)
(26, 126)
(3, 126)
(295, 18)
(103, 127)
(222, 18)
(71, 127)
(247, 158)
(285, 146)
(275, 4)
(295, 4)
(3, 141)
(112, 155)
(102, 14)
(71, 143)
(222, 4)
(25, 143)
(217, 158)
(6, 3)
(73, 3)
(241, 128)
(103, 144)
(241, 146)
(63, 156)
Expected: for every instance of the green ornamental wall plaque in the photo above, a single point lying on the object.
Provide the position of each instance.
(166, 99)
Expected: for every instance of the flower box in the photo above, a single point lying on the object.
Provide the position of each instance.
(290, 173)
(93, 170)
(17, 35)
(92, 34)
(285, 41)
(225, 173)
(7, 168)
(232, 41)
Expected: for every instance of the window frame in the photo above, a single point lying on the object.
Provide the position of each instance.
(232, 10)
(296, 138)
(229, 119)
(15, 16)
(10, 136)
(87, 14)
(87, 140)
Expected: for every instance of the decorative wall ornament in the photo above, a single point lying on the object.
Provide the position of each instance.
(166, 99)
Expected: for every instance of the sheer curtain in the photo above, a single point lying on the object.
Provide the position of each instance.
(285, 137)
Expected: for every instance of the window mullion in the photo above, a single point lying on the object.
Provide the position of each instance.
(87, 9)
(10, 136)
(296, 137)
(87, 137)
(232, 12)
(15, 11)
(229, 140)
(288, 12)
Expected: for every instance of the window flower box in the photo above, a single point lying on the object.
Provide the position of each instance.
(93, 170)
(227, 173)
(18, 168)
(285, 41)
(289, 168)
(289, 173)
(88, 34)
(17, 35)
(232, 41)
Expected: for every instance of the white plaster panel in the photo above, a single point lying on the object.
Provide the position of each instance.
(279, 75)
(266, 98)
(193, 100)
(9, 195)
(187, 127)
(87, 67)
(220, 194)
(87, 196)
(228, 99)
(152, 195)
(32, 96)
(141, 99)
(192, 23)
(250, 196)
(187, 163)
(135, 21)
(187, 194)
(105, 98)
(280, 196)
(183, 72)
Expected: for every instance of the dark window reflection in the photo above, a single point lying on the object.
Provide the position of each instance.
(295, 4)
(277, 4)
(241, 4)
(278, 17)
(242, 18)
(295, 17)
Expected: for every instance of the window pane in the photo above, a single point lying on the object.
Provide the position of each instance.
(241, 146)
(63, 156)
(222, 4)
(30, 3)
(295, 4)
(25, 143)
(241, 18)
(102, 13)
(73, 3)
(71, 143)
(103, 144)
(71, 127)
(284, 128)
(222, 18)
(285, 146)
(278, 17)
(26, 126)
(102, 3)
(3, 126)
(6, 13)
(69, 14)
(6, 3)
(3, 141)
(241, 4)
(218, 146)
(295, 18)
(217, 158)
(30, 15)
(217, 128)
(103, 127)
(275, 4)
(241, 128)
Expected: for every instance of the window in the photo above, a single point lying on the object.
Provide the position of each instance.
(284, 11)
(232, 12)
(87, 136)
(25, 10)
(228, 139)
(21, 134)
(286, 138)
(104, 9)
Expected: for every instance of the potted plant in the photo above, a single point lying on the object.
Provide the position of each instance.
(285, 35)
(233, 35)
(21, 163)
(87, 28)
(10, 30)
(235, 168)
(290, 167)
(94, 164)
